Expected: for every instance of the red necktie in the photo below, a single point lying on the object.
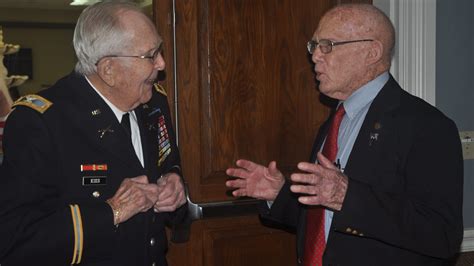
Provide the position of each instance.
(315, 241)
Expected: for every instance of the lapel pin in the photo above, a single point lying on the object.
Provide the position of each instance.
(96, 112)
(103, 131)
(377, 126)
(373, 138)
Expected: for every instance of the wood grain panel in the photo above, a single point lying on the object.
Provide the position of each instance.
(234, 242)
(246, 87)
(354, 1)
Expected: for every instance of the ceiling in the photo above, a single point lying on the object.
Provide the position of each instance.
(52, 4)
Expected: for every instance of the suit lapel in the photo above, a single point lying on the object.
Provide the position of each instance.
(99, 124)
(322, 132)
(376, 126)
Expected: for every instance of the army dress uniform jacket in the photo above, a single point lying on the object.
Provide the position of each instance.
(403, 204)
(65, 155)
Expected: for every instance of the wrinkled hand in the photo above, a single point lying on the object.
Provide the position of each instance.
(256, 181)
(323, 183)
(171, 193)
(133, 196)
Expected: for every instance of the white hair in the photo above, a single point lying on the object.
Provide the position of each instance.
(99, 33)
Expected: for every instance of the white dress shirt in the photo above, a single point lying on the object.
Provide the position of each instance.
(135, 130)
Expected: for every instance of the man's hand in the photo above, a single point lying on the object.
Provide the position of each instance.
(170, 193)
(133, 196)
(255, 180)
(323, 183)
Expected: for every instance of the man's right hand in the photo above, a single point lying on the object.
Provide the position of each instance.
(256, 181)
(133, 196)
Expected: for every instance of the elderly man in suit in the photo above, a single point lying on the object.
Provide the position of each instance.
(91, 173)
(384, 183)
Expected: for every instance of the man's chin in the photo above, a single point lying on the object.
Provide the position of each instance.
(324, 89)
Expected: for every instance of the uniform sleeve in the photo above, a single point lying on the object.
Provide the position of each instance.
(36, 225)
(172, 164)
(422, 212)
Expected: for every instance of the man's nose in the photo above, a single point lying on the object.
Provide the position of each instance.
(317, 55)
(159, 63)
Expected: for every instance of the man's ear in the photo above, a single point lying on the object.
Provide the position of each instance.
(106, 71)
(375, 52)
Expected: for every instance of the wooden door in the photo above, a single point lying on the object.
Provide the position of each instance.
(245, 88)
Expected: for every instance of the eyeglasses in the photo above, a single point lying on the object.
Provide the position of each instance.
(151, 57)
(326, 45)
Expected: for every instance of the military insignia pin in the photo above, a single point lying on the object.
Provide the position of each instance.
(102, 132)
(377, 126)
(95, 112)
(373, 138)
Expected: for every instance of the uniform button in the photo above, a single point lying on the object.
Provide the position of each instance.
(354, 232)
(152, 241)
(153, 264)
(348, 230)
(96, 194)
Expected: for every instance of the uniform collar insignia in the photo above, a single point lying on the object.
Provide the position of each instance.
(96, 112)
(104, 131)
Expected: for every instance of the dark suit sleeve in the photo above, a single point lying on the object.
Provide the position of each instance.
(421, 207)
(284, 210)
(36, 225)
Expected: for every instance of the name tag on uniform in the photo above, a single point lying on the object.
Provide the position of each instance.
(94, 180)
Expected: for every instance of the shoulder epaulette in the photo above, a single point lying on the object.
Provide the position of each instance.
(160, 89)
(34, 102)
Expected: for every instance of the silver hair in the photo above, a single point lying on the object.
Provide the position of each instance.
(99, 33)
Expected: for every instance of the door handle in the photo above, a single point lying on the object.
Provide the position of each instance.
(209, 210)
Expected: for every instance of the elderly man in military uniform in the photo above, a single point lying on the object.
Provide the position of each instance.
(91, 173)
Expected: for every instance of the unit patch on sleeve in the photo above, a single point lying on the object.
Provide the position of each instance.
(34, 102)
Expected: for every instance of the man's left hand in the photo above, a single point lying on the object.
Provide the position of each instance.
(323, 183)
(171, 193)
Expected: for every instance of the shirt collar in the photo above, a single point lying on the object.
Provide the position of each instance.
(117, 112)
(364, 95)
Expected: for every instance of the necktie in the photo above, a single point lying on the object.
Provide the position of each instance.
(126, 124)
(315, 241)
